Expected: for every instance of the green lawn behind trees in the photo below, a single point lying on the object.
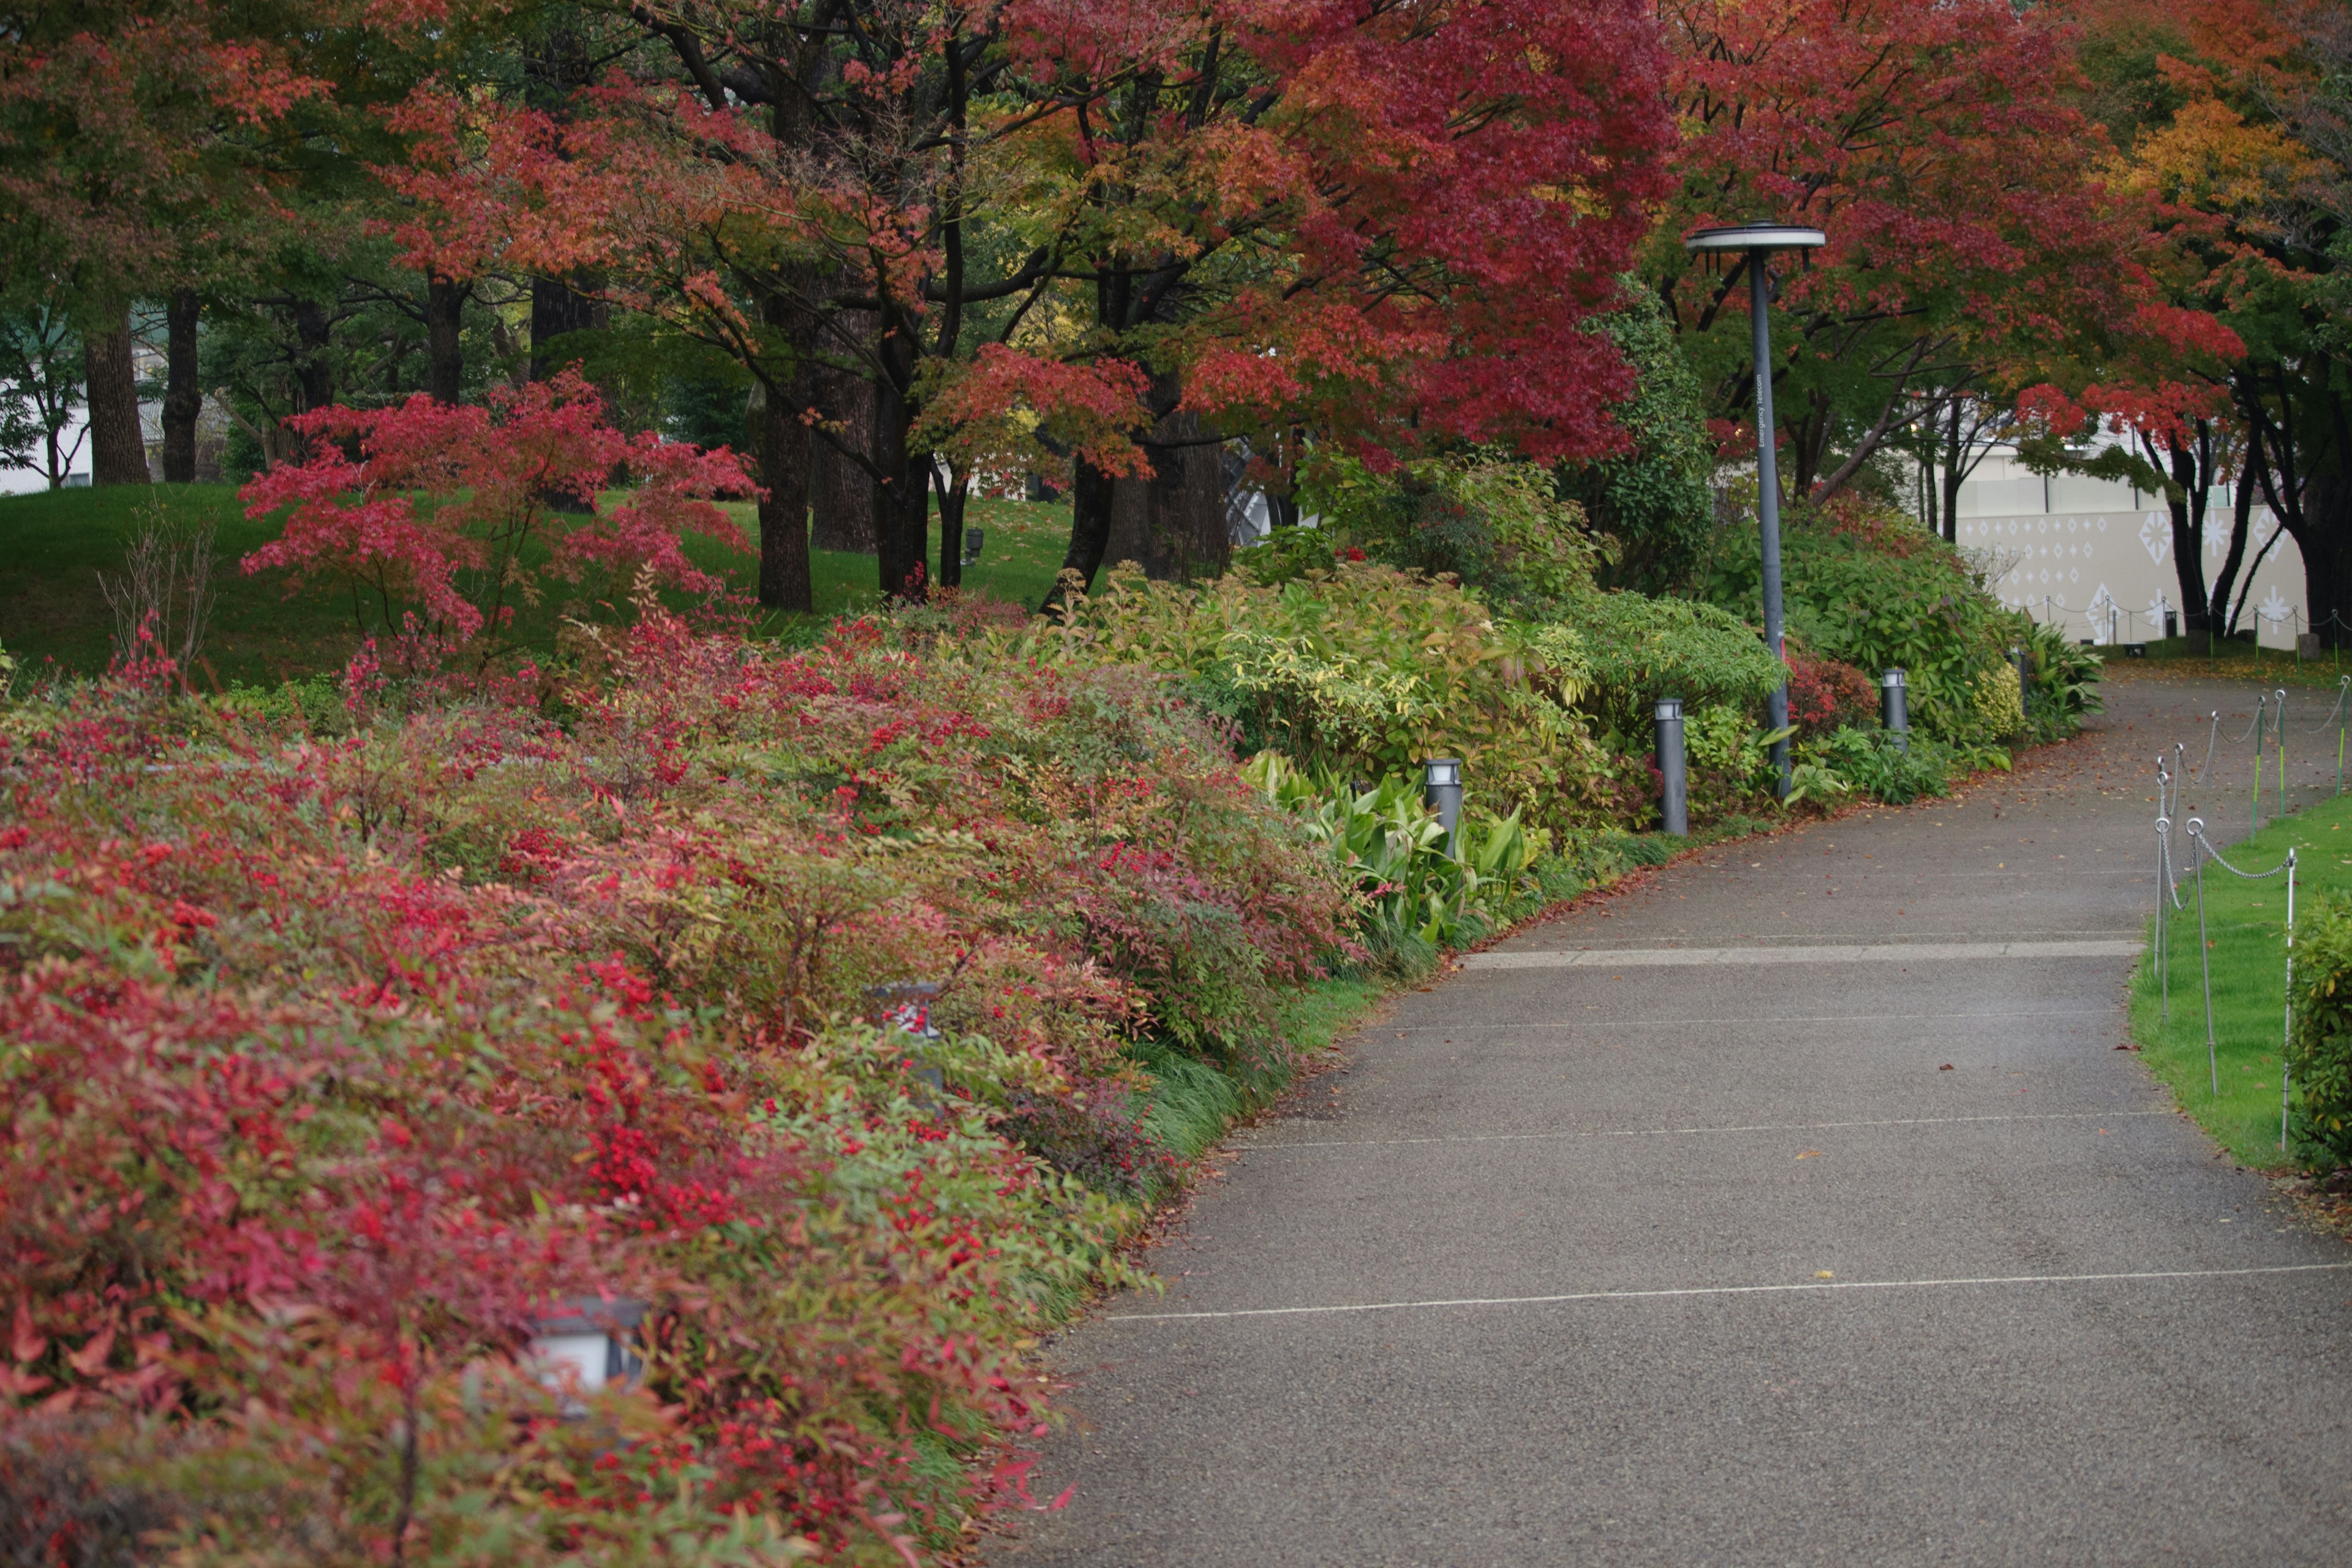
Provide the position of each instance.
(55, 544)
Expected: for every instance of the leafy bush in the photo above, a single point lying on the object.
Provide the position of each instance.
(447, 516)
(1496, 526)
(1638, 649)
(2319, 1041)
(1874, 590)
(338, 1066)
(1998, 701)
(1825, 695)
(1871, 762)
(1653, 503)
(1394, 850)
(1362, 671)
(2062, 685)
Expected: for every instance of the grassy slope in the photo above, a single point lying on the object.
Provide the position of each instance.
(53, 546)
(2245, 922)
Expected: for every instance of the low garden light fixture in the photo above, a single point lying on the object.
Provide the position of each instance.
(1440, 791)
(1894, 706)
(1674, 800)
(587, 1344)
(1755, 241)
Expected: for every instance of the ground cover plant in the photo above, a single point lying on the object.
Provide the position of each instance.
(789, 994)
(2245, 922)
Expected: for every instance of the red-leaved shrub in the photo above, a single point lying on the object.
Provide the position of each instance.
(344, 1053)
(442, 510)
(1825, 695)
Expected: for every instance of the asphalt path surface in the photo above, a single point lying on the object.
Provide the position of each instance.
(1808, 1254)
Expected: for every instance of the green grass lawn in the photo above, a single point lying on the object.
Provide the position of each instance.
(2245, 921)
(54, 545)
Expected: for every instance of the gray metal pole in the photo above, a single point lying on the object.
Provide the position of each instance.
(1768, 498)
(1674, 802)
(1895, 707)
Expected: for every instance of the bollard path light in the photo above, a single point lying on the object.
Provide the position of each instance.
(1895, 707)
(1674, 805)
(1755, 241)
(1440, 791)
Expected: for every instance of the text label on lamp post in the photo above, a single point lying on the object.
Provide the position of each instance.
(1756, 240)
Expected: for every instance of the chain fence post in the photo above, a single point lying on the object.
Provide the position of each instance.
(2286, 1026)
(2259, 703)
(2205, 953)
(2278, 732)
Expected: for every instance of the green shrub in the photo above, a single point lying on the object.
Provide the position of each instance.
(1362, 671)
(1638, 649)
(1872, 762)
(1498, 526)
(2061, 684)
(2319, 1041)
(1417, 894)
(1872, 588)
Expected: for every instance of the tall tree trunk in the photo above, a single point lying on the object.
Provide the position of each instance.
(444, 305)
(184, 400)
(1173, 524)
(556, 309)
(314, 374)
(784, 583)
(2188, 513)
(117, 452)
(954, 492)
(902, 511)
(2326, 541)
(1091, 496)
(1952, 475)
(841, 492)
(2219, 620)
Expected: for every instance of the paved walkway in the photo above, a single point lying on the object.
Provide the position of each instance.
(1622, 1246)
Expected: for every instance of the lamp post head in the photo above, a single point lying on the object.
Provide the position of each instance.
(1755, 237)
(1441, 772)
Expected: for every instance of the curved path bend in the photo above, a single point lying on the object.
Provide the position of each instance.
(1703, 1227)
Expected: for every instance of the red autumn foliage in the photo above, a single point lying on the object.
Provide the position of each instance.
(1825, 695)
(343, 1058)
(444, 507)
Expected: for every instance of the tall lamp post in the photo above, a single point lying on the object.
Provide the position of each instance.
(1756, 241)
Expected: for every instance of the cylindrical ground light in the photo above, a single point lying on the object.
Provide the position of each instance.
(1675, 805)
(1440, 791)
(2017, 656)
(1894, 706)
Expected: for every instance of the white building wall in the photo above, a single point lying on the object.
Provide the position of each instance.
(2073, 549)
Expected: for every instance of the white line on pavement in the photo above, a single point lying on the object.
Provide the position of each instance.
(1891, 953)
(1818, 1285)
(1684, 1131)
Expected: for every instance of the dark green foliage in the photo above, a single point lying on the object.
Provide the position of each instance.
(1498, 526)
(1653, 502)
(1879, 592)
(1639, 649)
(2062, 683)
(2319, 1048)
(707, 412)
(1871, 762)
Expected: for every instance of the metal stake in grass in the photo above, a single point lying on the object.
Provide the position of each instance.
(2205, 952)
(2278, 732)
(2259, 703)
(2286, 1028)
(2163, 948)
